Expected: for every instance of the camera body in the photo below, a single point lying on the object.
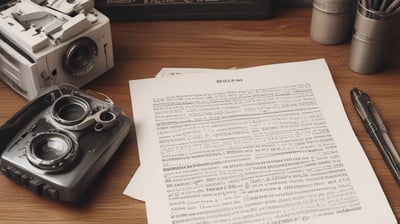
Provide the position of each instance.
(58, 143)
(44, 43)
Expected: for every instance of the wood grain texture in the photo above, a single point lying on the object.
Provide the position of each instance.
(141, 49)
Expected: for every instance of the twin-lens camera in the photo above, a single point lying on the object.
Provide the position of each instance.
(59, 142)
(50, 42)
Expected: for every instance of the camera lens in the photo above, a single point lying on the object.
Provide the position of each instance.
(79, 58)
(52, 150)
(70, 110)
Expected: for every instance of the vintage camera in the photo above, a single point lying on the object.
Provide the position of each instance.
(58, 143)
(49, 42)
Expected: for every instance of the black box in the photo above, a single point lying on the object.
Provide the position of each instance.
(128, 10)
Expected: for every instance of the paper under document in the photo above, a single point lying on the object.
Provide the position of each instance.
(135, 188)
(268, 145)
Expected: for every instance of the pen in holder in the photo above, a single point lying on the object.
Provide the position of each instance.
(332, 21)
(371, 31)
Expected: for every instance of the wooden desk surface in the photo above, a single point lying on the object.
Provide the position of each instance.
(141, 49)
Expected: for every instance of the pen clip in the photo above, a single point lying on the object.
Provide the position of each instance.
(362, 102)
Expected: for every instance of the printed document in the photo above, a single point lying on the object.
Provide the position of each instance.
(264, 145)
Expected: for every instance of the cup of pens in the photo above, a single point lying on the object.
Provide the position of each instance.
(371, 32)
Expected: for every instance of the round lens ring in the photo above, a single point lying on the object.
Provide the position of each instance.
(52, 150)
(70, 110)
(79, 58)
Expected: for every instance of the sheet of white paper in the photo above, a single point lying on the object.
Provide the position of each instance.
(269, 145)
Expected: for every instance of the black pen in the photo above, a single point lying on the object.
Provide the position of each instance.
(376, 130)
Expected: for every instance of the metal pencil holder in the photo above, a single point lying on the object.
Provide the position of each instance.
(371, 32)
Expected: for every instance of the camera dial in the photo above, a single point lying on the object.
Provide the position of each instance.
(79, 58)
(52, 150)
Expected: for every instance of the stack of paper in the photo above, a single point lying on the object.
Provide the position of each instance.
(264, 145)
